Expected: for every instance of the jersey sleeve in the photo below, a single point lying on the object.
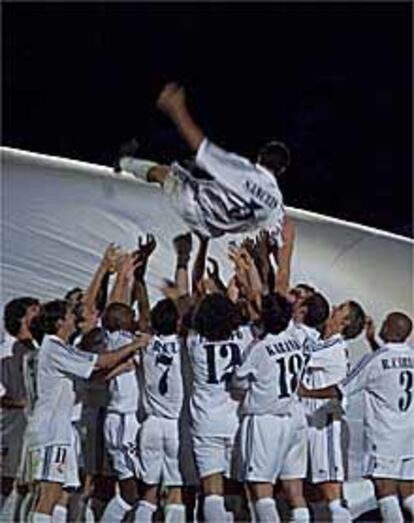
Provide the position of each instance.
(73, 361)
(12, 373)
(275, 225)
(358, 378)
(228, 169)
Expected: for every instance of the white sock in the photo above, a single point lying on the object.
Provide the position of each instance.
(390, 510)
(18, 500)
(39, 517)
(88, 516)
(339, 513)
(265, 509)
(214, 509)
(115, 510)
(300, 515)
(59, 514)
(7, 508)
(26, 507)
(139, 168)
(408, 504)
(144, 512)
(175, 513)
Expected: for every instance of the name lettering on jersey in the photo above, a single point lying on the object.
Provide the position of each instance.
(260, 194)
(398, 363)
(283, 347)
(167, 347)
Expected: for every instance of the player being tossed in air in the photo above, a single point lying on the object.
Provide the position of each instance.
(220, 192)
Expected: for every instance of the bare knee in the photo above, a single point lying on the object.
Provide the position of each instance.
(213, 484)
(174, 496)
(260, 490)
(385, 487)
(406, 488)
(158, 174)
(150, 493)
(331, 491)
(293, 489)
(50, 493)
(129, 490)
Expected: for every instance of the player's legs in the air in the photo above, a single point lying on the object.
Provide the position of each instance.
(145, 170)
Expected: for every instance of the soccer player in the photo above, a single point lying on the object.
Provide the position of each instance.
(386, 379)
(18, 316)
(214, 355)
(51, 427)
(121, 423)
(220, 192)
(329, 366)
(159, 437)
(273, 429)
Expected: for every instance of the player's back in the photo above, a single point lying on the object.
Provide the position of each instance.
(213, 411)
(387, 378)
(163, 381)
(124, 388)
(273, 366)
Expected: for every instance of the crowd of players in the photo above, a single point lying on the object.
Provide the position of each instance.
(209, 405)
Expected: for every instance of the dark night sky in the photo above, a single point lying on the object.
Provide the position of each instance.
(332, 80)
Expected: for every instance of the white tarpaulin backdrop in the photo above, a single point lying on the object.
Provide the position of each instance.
(59, 215)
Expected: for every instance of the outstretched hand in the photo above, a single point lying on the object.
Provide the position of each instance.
(142, 254)
(171, 98)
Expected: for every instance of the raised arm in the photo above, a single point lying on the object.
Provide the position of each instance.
(100, 278)
(109, 360)
(283, 257)
(199, 264)
(172, 102)
(139, 289)
(126, 265)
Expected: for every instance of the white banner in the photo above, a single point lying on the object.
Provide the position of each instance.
(59, 215)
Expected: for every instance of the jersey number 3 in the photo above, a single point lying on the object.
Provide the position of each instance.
(406, 382)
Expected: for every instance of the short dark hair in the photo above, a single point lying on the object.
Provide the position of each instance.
(306, 287)
(275, 156)
(276, 313)
(164, 317)
(50, 313)
(356, 321)
(93, 341)
(216, 317)
(15, 311)
(118, 316)
(68, 295)
(317, 310)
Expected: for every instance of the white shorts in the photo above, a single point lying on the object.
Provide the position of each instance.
(273, 447)
(73, 460)
(158, 452)
(13, 426)
(181, 193)
(48, 464)
(397, 468)
(214, 455)
(325, 452)
(121, 432)
(95, 455)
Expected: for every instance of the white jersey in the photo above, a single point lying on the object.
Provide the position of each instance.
(329, 365)
(58, 365)
(213, 411)
(163, 380)
(123, 389)
(30, 365)
(271, 373)
(386, 378)
(234, 196)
